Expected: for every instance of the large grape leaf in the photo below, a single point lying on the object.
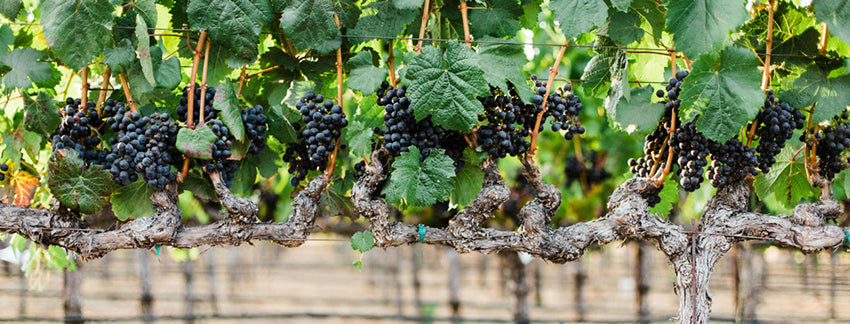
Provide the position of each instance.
(622, 27)
(75, 186)
(637, 112)
(469, 181)
(359, 138)
(227, 103)
(698, 26)
(77, 30)
(500, 19)
(40, 114)
(147, 10)
(364, 76)
(445, 86)
(601, 67)
(387, 21)
(308, 23)
(836, 14)
(503, 63)
(724, 89)
(120, 57)
(653, 13)
(143, 48)
(348, 12)
(234, 25)
(787, 179)
(11, 8)
(133, 201)
(577, 17)
(812, 83)
(26, 68)
(283, 130)
(420, 184)
(196, 143)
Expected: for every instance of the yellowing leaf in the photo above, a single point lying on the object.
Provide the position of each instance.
(24, 185)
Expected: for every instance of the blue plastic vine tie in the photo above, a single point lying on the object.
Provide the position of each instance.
(421, 233)
(846, 238)
(156, 248)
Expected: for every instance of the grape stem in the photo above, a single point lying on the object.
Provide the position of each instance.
(765, 78)
(84, 97)
(824, 38)
(104, 89)
(190, 119)
(464, 14)
(553, 71)
(425, 13)
(332, 160)
(68, 85)
(391, 64)
(671, 131)
(241, 81)
(204, 83)
(249, 76)
(126, 87)
(811, 151)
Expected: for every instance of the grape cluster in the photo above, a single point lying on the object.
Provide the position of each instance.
(501, 136)
(832, 142)
(643, 166)
(128, 145)
(691, 148)
(209, 112)
(777, 122)
(592, 168)
(563, 106)
(673, 89)
(160, 151)
(3, 169)
(323, 124)
(731, 161)
(78, 131)
(255, 128)
(221, 152)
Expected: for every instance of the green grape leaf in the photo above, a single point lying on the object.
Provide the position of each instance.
(446, 86)
(245, 177)
(420, 185)
(599, 70)
(653, 13)
(78, 187)
(810, 84)
(502, 64)
(196, 143)
(724, 89)
(577, 17)
(227, 103)
(120, 57)
(407, 4)
(133, 201)
(359, 138)
(364, 76)
(7, 38)
(20, 140)
(308, 23)
(280, 127)
(167, 73)
(268, 163)
(233, 25)
(387, 21)
(500, 19)
(362, 241)
(787, 180)
(347, 11)
(40, 114)
(469, 181)
(11, 8)
(195, 183)
(669, 197)
(698, 26)
(622, 27)
(621, 5)
(637, 112)
(26, 68)
(836, 14)
(143, 48)
(147, 10)
(357, 264)
(77, 31)
(531, 10)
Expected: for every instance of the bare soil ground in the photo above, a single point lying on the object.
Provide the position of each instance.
(316, 283)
